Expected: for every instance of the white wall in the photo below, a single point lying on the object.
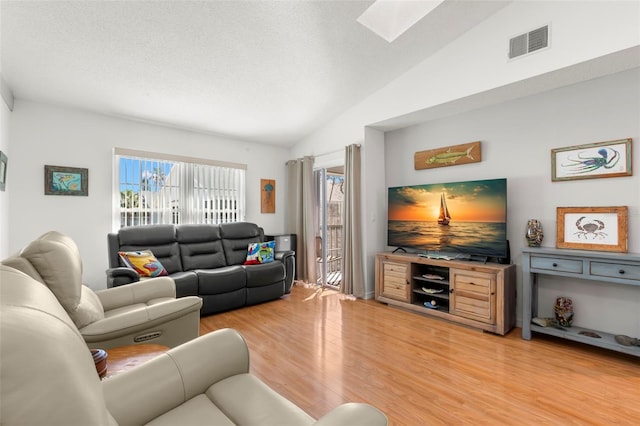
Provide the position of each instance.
(588, 40)
(44, 134)
(373, 239)
(477, 62)
(5, 120)
(517, 137)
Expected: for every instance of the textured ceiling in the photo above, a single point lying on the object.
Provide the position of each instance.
(263, 71)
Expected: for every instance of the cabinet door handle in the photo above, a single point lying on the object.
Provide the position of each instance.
(555, 265)
(621, 271)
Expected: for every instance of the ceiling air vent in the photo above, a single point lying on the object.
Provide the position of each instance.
(529, 42)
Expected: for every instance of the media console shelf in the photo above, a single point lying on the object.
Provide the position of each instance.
(476, 294)
(599, 266)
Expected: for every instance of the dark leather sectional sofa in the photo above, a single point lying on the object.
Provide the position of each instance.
(206, 261)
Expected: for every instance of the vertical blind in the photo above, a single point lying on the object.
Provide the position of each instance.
(158, 188)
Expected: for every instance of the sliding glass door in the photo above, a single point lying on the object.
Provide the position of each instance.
(329, 213)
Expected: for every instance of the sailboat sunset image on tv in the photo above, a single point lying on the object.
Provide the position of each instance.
(444, 217)
(468, 218)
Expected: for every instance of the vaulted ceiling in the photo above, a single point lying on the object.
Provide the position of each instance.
(263, 71)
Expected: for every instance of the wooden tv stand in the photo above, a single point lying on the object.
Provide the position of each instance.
(481, 295)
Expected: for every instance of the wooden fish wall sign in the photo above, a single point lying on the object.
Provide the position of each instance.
(448, 156)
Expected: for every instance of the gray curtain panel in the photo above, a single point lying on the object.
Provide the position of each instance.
(299, 215)
(352, 267)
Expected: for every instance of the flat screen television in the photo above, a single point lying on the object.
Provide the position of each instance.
(463, 220)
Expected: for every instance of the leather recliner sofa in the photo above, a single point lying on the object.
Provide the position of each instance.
(145, 313)
(205, 260)
(49, 377)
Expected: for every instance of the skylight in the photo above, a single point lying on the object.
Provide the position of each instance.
(391, 18)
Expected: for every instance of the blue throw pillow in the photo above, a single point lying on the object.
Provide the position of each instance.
(260, 253)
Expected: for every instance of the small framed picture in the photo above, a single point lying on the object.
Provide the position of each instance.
(595, 160)
(267, 196)
(592, 228)
(66, 181)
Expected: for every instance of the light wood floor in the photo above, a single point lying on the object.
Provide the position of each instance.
(322, 349)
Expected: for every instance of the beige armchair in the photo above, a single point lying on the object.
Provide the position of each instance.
(49, 378)
(145, 312)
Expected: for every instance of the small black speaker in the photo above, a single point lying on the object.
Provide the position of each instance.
(285, 242)
(506, 260)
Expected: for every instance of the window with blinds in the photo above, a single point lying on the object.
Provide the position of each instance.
(157, 188)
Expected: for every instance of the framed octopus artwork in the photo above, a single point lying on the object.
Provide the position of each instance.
(592, 228)
(590, 161)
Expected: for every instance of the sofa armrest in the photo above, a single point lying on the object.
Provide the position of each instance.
(143, 393)
(139, 292)
(121, 276)
(353, 414)
(283, 255)
(288, 258)
(129, 322)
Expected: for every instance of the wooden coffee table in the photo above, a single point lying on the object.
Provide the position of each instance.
(127, 357)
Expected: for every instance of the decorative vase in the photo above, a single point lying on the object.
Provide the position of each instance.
(100, 360)
(564, 311)
(534, 233)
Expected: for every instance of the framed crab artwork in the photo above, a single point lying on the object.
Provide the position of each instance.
(590, 161)
(592, 228)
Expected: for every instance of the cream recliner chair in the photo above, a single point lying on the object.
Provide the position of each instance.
(144, 312)
(48, 376)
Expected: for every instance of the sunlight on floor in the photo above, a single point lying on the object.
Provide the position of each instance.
(323, 292)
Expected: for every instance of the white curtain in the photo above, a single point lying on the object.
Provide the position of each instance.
(352, 267)
(299, 215)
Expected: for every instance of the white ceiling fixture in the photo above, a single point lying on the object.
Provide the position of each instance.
(391, 18)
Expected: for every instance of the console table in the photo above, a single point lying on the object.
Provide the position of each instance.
(598, 266)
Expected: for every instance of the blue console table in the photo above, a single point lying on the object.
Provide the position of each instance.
(589, 265)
